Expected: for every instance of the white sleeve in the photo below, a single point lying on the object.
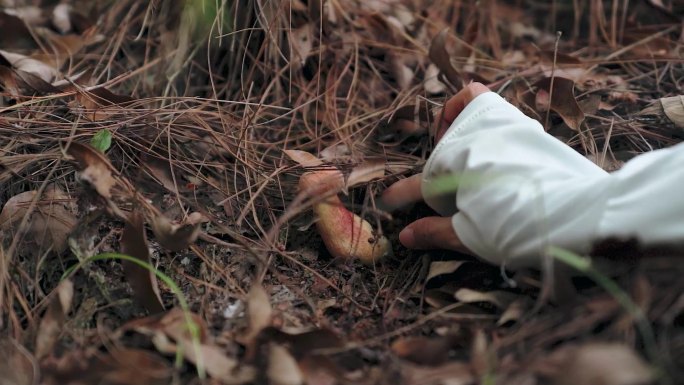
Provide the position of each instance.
(520, 190)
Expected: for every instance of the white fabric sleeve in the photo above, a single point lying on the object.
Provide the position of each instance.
(514, 190)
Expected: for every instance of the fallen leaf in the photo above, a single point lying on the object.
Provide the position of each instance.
(160, 170)
(480, 354)
(403, 74)
(95, 168)
(60, 17)
(17, 365)
(282, 367)
(500, 299)
(50, 223)
(401, 129)
(453, 373)
(673, 107)
(560, 59)
(515, 311)
(599, 363)
(305, 343)
(29, 14)
(212, 358)
(34, 83)
(365, 172)
(441, 58)
(320, 370)
(430, 351)
(16, 34)
(303, 158)
(38, 68)
(101, 103)
(335, 152)
(218, 365)
(121, 366)
(561, 100)
(171, 334)
(301, 41)
(51, 325)
(142, 281)
(432, 84)
(443, 267)
(259, 311)
(177, 236)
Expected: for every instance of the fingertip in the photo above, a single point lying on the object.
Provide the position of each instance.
(401, 193)
(407, 238)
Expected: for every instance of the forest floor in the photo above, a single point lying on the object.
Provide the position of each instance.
(152, 230)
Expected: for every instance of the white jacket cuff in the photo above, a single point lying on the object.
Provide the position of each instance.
(513, 190)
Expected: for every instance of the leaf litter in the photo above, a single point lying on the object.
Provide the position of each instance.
(199, 138)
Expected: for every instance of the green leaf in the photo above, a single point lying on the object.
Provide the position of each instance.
(102, 140)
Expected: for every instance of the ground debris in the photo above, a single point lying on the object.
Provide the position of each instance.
(177, 133)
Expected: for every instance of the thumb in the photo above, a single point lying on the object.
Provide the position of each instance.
(431, 233)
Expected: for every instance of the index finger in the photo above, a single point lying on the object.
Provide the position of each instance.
(455, 105)
(402, 193)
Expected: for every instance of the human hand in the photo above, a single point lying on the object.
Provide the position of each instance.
(431, 232)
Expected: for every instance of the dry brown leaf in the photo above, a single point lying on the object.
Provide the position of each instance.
(441, 58)
(52, 323)
(60, 17)
(142, 281)
(212, 358)
(558, 59)
(561, 100)
(218, 365)
(101, 103)
(29, 14)
(159, 169)
(320, 370)
(480, 356)
(34, 83)
(8, 81)
(15, 209)
(403, 74)
(335, 152)
(16, 34)
(600, 363)
(95, 168)
(431, 351)
(303, 158)
(282, 367)
(674, 109)
(500, 299)
(303, 344)
(17, 366)
(171, 334)
(51, 221)
(401, 129)
(259, 310)
(177, 236)
(301, 41)
(121, 366)
(36, 67)
(443, 267)
(365, 172)
(515, 311)
(453, 373)
(432, 84)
